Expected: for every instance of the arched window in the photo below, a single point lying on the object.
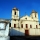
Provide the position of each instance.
(30, 26)
(26, 25)
(21, 25)
(36, 26)
(15, 13)
(35, 14)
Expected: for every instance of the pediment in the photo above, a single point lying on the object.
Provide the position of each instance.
(26, 18)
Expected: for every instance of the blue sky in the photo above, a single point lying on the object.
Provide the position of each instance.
(24, 6)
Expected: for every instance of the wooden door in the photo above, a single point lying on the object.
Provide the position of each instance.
(14, 25)
(26, 32)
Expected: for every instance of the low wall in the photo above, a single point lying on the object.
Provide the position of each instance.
(21, 32)
(34, 32)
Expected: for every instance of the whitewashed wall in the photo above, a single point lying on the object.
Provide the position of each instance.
(31, 31)
(4, 32)
(7, 30)
(34, 32)
(5, 38)
(21, 32)
(33, 23)
(2, 26)
(37, 32)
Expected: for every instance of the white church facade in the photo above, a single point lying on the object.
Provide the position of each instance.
(26, 25)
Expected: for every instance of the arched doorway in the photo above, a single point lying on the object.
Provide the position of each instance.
(26, 32)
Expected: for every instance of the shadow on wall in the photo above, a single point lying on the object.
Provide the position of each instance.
(14, 32)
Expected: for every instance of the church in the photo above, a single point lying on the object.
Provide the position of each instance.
(26, 25)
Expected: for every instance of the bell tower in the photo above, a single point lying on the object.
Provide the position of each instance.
(15, 13)
(15, 17)
(34, 15)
